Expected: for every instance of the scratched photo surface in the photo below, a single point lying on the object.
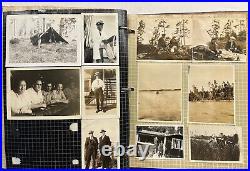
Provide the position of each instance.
(159, 142)
(159, 92)
(43, 39)
(164, 37)
(211, 93)
(220, 37)
(210, 143)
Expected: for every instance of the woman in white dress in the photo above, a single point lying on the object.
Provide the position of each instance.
(20, 101)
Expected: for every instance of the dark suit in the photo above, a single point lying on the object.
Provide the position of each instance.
(105, 159)
(91, 146)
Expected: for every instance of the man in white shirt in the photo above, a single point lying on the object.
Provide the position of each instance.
(101, 44)
(36, 95)
(98, 88)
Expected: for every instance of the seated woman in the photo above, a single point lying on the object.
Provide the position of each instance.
(58, 95)
(20, 101)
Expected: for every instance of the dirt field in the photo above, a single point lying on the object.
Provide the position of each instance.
(161, 106)
(212, 112)
(25, 52)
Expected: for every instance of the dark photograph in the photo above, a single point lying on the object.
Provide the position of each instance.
(44, 39)
(164, 37)
(98, 133)
(101, 43)
(215, 143)
(101, 91)
(220, 37)
(43, 93)
(165, 142)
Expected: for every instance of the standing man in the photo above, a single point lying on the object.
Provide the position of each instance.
(101, 45)
(98, 88)
(160, 150)
(156, 144)
(91, 146)
(104, 140)
(98, 43)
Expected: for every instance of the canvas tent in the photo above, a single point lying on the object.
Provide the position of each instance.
(50, 36)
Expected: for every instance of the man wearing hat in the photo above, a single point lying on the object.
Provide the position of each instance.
(98, 88)
(104, 140)
(101, 46)
(91, 146)
(99, 39)
(232, 46)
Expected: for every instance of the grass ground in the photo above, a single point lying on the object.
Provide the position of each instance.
(211, 112)
(25, 52)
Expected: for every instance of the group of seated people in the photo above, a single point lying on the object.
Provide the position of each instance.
(25, 100)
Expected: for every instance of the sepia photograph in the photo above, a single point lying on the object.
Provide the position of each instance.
(164, 142)
(213, 143)
(220, 37)
(159, 94)
(211, 93)
(98, 133)
(101, 39)
(101, 92)
(44, 40)
(164, 37)
(43, 93)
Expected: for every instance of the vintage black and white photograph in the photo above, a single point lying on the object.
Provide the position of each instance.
(164, 142)
(44, 40)
(101, 91)
(101, 39)
(220, 37)
(43, 93)
(159, 96)
(213, 143)
(211, 93)
(164, 37)
(98, 133)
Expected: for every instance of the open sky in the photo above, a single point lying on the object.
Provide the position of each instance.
(155, 76)
(209, 130)
(152, 21)
(200, 75)
(202, 23)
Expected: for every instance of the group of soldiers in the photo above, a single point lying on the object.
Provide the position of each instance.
(224, 91)
(225, 148)
(216, 148)
(91, 150)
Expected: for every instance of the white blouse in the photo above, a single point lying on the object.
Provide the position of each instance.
(20, 103)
